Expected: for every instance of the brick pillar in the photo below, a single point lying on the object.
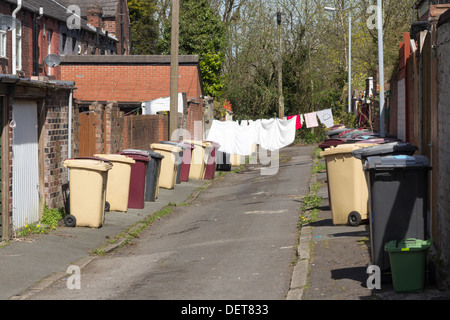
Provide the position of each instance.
(107, 131)
(97, 108)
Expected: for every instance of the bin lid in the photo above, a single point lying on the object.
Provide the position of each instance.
(188, 144)
(215, 144)
(344, 148)
(92, 158)
(200, 143)
(137, 155)
(90, 164)
(390, 148)
(396, 161)
(150, 153)
(116, 158)
(165, 147)
(409, 244)
(175, 143)
(374, 140)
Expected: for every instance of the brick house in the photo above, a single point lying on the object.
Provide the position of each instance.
(35, 108)
(40, 35)
(108, 15)
(35, 141)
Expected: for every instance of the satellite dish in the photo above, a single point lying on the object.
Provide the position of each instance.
(52, 60)
(7, 23)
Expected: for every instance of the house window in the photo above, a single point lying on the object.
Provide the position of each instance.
(3, 38)
(63, 43)
(74, 45)
(19, 45)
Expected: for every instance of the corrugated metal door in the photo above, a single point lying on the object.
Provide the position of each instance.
(25, 171)
(1, 182)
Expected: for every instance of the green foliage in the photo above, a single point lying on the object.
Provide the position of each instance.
(52, 216)
(202, 33)
(211, 64)
(49, 221)
(144, 28)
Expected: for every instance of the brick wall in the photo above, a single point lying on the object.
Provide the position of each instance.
(98, 110)
(195, 120)
(116, 132)
(75, 130)
(56, 144)
(114, 128)
(136, 82)
(140, 131)
(443, 206)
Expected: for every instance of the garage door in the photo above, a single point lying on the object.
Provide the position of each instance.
(25, 171)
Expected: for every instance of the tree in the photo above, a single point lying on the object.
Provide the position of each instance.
(202, 33)
(315, 52)
(144, 27)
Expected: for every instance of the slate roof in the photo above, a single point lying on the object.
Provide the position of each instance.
(109, 6)
(53, 9)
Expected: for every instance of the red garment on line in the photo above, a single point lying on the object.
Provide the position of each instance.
(298, 124)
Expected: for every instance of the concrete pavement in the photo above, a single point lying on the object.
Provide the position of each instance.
(333, 261)
(331, 265)
(31, 263)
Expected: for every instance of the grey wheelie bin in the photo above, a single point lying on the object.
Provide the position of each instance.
(398, 195)
(384, 149)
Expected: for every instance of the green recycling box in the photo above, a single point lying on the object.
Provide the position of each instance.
(408, 259)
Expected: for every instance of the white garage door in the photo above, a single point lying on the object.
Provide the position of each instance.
(25, 174)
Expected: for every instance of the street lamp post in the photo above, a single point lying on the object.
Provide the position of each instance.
(381, 64)
(349, 57)
(280, 69)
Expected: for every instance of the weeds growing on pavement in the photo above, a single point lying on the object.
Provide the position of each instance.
(311, 202)
(49, 222)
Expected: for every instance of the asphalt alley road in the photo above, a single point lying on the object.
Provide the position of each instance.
(237, 240)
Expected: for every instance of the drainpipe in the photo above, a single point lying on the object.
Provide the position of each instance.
(122, 37)
(14, 40)
(69, 143)
(36, 42)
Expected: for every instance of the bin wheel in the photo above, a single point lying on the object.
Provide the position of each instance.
(354, 218)
(107, 206)
(70, 220)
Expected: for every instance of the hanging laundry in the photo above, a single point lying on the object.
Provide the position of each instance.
(245, 137)
(325, 117)
(275, 134)
(311, 120)
(238, 139)
(298, 124)
(302, 120)
(233, 138)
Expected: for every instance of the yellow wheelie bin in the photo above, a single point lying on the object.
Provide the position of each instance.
(87, 186)
(347, 185)
(169, 164)
(198, 162)
(118, 187)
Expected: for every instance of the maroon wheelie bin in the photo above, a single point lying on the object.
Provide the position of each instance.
(136, 196)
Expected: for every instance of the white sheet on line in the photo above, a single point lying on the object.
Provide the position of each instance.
(275, 134)
(235, 138)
